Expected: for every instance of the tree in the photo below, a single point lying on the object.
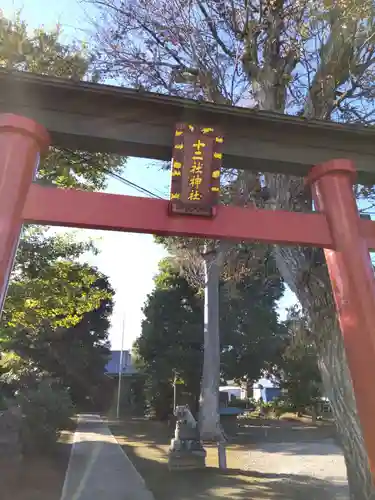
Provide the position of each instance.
(251, 334)
(312, 59)
(43, 53)
(172, 338)
(75, 355)
(51, 295)
(56, 315)
(47, 284)
(46, 406)
(201, 262)
(298, 364)
(205, 263)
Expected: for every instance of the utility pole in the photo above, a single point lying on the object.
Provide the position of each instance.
(174, 390)
(120, 369)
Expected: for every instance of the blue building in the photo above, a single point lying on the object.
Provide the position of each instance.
(268, 394)
(113, 366)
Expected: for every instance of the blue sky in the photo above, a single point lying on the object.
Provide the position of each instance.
(130, 260)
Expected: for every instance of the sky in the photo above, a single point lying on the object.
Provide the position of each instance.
(129, 260)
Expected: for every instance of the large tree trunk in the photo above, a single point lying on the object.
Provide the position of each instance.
(305, 272)
(338, 387)
(209, 419)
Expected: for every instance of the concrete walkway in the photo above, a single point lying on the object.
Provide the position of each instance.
(98, 467)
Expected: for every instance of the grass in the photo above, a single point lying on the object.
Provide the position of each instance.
(146, 444)
(36, 477)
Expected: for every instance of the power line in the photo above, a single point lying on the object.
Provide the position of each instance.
(133, 185)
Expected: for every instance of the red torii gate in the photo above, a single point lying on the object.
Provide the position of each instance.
(337, 228)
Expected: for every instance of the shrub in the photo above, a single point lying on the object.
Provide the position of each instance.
(3, 402)
(238, 403)
(278, 407)
(265, 408)
(245, 404)
(46, 409)
(252, 402)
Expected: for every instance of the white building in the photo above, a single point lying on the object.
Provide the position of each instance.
(261, 384)
(233, 391)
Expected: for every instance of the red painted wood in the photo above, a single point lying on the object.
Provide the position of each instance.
(21, 140)
(367, 228)
(81, 209)
(353, 284)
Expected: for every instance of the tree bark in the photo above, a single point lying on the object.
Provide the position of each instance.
(305, 271)
(209, 419)
(339, 390)
(314, 293)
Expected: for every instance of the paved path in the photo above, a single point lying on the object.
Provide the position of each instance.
(315, 469)
(98, 467)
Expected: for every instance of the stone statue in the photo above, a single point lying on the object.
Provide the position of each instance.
(186, 450)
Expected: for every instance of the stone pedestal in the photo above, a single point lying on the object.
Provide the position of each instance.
(186, 451)
(186, 460)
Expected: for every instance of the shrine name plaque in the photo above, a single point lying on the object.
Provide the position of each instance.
(195, 171)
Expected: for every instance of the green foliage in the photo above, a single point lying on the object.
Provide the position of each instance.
(39, 51)
(47, 409)
(278, 406)
(172, 332)
(56, 318)
(250, 331)
(171, 337)
(16, 372)
(265, 409)
(299, 371)
(78, 169)
(137, 395)
(45, 404)
(238, 403)
(42, 52)
(76, 355)
(57, 314)
(48, 285)
(3, 402)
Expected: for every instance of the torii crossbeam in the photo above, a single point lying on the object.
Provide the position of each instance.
(337, 228)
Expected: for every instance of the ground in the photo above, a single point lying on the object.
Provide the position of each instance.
(37, 478)
(268, 460)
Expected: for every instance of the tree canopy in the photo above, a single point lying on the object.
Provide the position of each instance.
(40, 51)
(48, 285)
(297, 364)
(172, 331)
(54, 329)
(57, 312)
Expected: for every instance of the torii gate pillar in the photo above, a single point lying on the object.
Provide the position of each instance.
(353, 284)
(21, 142)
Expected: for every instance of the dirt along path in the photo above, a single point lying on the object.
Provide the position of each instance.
(266, 461)
(303, 460)
(312, 471)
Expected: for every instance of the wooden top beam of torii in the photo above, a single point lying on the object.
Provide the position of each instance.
(102, 118)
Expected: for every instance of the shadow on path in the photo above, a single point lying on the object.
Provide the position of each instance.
(98, 468)
(234, 483)
(145, 443)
